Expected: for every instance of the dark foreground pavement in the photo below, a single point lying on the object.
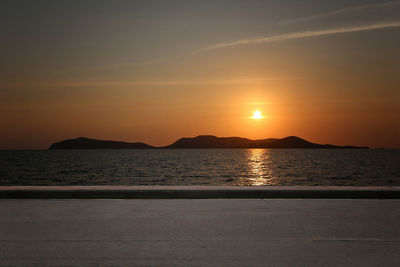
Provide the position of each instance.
(200, 232)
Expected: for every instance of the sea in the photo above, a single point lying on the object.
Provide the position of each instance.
(234, 167)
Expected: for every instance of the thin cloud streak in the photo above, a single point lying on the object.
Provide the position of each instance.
(305, 34)
(340, 11)
(267, 39)
(158, 83)
(78, 84)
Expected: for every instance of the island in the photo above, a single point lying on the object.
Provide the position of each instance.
(87, 143)
(201, 141)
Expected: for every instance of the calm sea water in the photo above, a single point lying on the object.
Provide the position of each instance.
(201, 167)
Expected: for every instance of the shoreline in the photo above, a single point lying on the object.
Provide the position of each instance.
(199, 192)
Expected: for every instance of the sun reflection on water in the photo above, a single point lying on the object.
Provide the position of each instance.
(259, 172)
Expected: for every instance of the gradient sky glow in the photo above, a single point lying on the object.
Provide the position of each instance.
(155, 71)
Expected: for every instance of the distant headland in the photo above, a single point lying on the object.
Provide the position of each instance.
(201, 141)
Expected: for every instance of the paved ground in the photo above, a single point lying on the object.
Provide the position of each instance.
(200, 232)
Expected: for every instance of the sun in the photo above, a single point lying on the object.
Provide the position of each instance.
(257, 115)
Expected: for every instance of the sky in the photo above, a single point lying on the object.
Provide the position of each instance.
(156, 71)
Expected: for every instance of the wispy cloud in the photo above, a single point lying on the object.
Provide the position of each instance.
(267, 39)
(115, 84)
(305, 34)
(158, 83)
(340, 11)
(358, 18)
(374, 11)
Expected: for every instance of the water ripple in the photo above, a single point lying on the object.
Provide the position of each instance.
(201, 167)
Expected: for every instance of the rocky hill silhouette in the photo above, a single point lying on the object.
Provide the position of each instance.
(201, 141)
(210, 141)
(87, 143)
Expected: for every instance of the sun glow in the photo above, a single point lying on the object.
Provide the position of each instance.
(257, 115)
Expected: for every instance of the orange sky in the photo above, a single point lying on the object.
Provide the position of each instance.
(170, 73)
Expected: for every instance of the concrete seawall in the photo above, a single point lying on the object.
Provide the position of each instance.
(199, 226)
(196, 192)
(199, 232)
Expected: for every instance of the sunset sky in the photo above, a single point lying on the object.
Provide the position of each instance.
(156, 71)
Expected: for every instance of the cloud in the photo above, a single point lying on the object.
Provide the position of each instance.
(113, 84)
(267, 39)
(306, 34)
(344, 20)
(336, 12)
(384, 15)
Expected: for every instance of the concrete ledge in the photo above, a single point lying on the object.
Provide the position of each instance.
(196, 192)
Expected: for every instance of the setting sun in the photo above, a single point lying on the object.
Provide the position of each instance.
(257, 115)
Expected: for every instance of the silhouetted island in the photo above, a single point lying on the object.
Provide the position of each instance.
(201, 141)
(86, 143)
